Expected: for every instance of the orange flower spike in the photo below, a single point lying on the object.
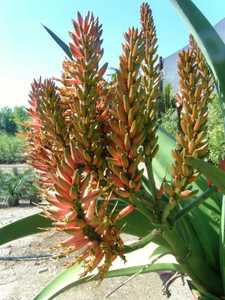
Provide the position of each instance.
(44, 147)
(125, 112)
(150, 78)
(81, 90)
(196, 88)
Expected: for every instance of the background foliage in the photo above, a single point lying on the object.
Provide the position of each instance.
(216, 138)
(11, 149)
(11, 120)
(18, 185)
(12, 123)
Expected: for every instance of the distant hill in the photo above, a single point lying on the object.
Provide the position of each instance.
(170, 63)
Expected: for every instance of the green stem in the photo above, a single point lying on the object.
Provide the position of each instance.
(208, 296)
(142, 242)
(192, 204)
(142, 209)
(148, 164)
(146, 185)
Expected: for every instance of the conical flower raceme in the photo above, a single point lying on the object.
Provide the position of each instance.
(127, 134)
(150, 79)
(43, 148)
(54, 129)
(83, 93)
(133, 122)
(196, 87)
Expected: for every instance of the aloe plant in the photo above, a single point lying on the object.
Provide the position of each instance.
(89, 137)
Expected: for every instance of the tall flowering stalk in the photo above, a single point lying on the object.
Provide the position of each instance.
(45, 140)
(196, 87)
(126, 124)
(82, 88)
(151, 79)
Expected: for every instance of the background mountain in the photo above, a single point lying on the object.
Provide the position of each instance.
(170, 63)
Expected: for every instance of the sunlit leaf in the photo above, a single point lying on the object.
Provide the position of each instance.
(71, 277)
(193, 203)
(142, 242)
(216, 175)
(23, 227)
(160, 251)
(209, 41)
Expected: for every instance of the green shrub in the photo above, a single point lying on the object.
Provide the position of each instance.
(216, 132)
(169, 121)
(11, 149)
(7, 123)
(167, 99)
(12, 120)
(16, 186)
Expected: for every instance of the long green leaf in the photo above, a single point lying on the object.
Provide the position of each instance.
(146, 186)
(216, 175)
(160, 251)
(209, 41)
(135, 224)
(163, 160)
(71, 277)
(222, 244)
(59, 42)
(23, 227)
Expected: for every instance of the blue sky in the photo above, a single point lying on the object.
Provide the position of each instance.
(27, 51)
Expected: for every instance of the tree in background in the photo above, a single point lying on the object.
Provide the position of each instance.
(7, 123)
(167, 99)
(12, 120)
(20, 117)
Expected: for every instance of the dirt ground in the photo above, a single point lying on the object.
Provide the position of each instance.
(21, 280)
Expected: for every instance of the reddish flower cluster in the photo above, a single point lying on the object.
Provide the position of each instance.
(87, 138)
